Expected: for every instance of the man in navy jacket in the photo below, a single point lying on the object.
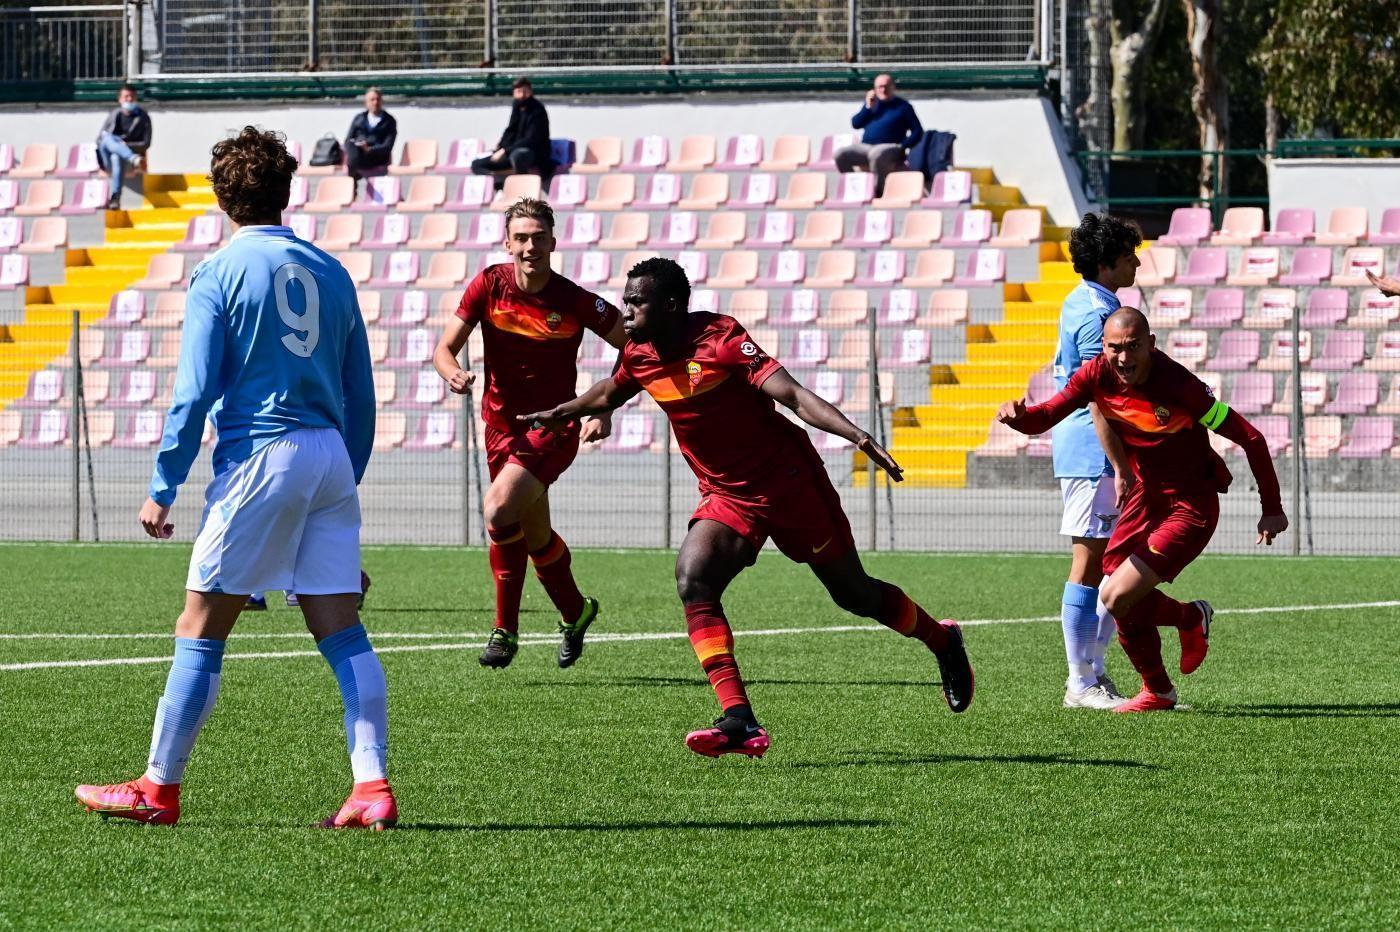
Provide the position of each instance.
(891, 128)
(369, 146)
(524, 146)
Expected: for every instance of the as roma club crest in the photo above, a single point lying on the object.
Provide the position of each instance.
(692, 369)
(1163, 415)
(553, 320)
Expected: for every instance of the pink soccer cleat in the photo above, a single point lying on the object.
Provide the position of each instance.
(1148, 701)
(127, 801)
(377, 813)
(1196, 641)
(731, 734)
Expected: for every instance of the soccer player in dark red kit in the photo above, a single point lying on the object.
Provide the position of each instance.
(759, 477)
(532, 321)
(1161, 412)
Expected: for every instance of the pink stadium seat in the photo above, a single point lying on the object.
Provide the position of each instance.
(137, 389)
(1357, 261)
(984, 267)
(1282, 350)
(911, 348)
(708, 191)
(129, 348)
(1391, 403)
(1241, 226)
(296, 194)
(853, 190)
(1171, 307)
(648, 154)
(7, 157)
(615, 192)
(661, 192)
(883, 268)
(39, 159)
(948, 307)
(873, 230)
(821, 229)
(933, 268)
(846, 309)
(1130, 296)
(903, 189)
(390, 429)
(921, 229)
(627, 231)
(829, 386)
(1252, 392)
(343, 232)
(826, 152)
(678, 229)
(488, 231)
(1345, 226)
(88, 197)
(202, 234)
(950, 189)
(970, 228)
(164, 272)
(737, 269)
(47, 235)
(567, 191)
(1273, 307)
(741, 154)
(1342, 350)
(805, 191)
(416, 157)
(786, 268)
(46, 429)
(474, 193)
(438, 231)
(410, 309)
(723, 230)
(697, 153)
(836, 268)
(601, 155)
(14, 271)
(333, 194)
(1293, 227)
(358, 265)
(425, 390)
(633, 432)
(1311, 264)
(1158, 266)
(1389, 232)
(460, 155)
(1312, 390)
(1206, 265)
(415, 349)
(1386, 357)
(757, 191)
(1019, 228)
(1369, 438)
(1323, 436)
(852, 352)
(1276, 432)
(1002, 441)
(1327, 307)
(1040, 388)
(1357, 393)
(1376, 310)
(810, 348)
(775, 230)
(437, 430)
(1189, 225)
(40, 198)
(46, 388)
(1238, 349)
(397, 270)
(446, 271)
(143, 430)
(750, 307)
(580, 230)
(425, 194)
(789, 154)
(1224, 307)
(126, 309)
(1259, 265)
(695, 264)
(592, 268)
(516, 187)
(379, 193)
(9, 195)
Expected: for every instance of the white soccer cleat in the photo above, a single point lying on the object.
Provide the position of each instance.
(1102, 695)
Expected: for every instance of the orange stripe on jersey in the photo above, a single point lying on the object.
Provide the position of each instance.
(532, 322)
(683, 380)
(1145, 416)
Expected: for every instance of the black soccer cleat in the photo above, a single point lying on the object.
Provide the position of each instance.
(500, 649)
(955, 669)
(257, 602)
(571, 647)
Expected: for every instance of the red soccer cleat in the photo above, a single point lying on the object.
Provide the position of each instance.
(376, 813)
(1148, 701)
(127, 801)
(729, 735)
(1196, 641)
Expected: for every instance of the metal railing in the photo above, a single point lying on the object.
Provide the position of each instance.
(62, 43)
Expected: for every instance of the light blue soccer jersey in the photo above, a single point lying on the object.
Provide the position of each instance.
(1074, 444)
(273, 342)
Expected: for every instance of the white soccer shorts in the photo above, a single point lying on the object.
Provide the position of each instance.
(1090, 508)
(288, 517)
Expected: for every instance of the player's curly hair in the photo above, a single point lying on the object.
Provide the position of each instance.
(1101, 239)
(534, 209)
(252, 175)
(668, 276)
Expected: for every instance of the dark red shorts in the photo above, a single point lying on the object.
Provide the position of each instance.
(1166, 532)
(543, 455)
(804, 518)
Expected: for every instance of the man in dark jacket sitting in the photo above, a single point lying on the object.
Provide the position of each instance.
(891, 128)
(524, 146)
(369, 146)
(123, 142)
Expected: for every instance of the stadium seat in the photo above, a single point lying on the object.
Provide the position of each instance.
(1357, 393)
(7, 157)
(143, 429)
(921, 229)
(46, 387)
(678, 229)
(1391, 403)
(567, 191)
(1206, 265)
(86, 198)
(1342, 350)
(386, 388)
(1311, 264)
(826, 152)
(474, 193)
(1252, 392)
(437, 430)
(615, 192)
(648, 154)
(627, 230)
(873, 230)
(708, 191)
(830, 386)
(1357, 261)
(410, 309)
(1389, 232)
(911, 348)
(1293, 227)
(697, 153)
(1240, 226)
(903, 189)
(1002, 441)
(1345, 226)
(696, 265)
(661, 192)
(1386, 357)
(774, 231)
(1327, 308)
(46, 429)
(164, 272)
(845, 309)
(984, 267)
(805, 191)
(1282, 351)
(970, 228)
(358, 265)
(933, 268)
(460, 155)
(9, 195)
(1158, 266)
(425, 194)
(900, 306)
(601, 154)
(1323, 436)
(757, 191)
(723, 230)
(446, 270)
(1171, 307)
(821, 229)
(438, 231)
(379, 193)
(169, 310)
(516, 187)
(39, 159)
(800, 306)
(592, 267)
(297, 193)
(1369, 438)
(883, 268)
(397, 270)
(47, 235)
(1189, 347)
(11, 233)
(580, 230)
(1313, 393)
(749, 307)
(40, 198)
(129, 348)
(1259, 265)
(1273, 308)
(333, 195)
(1276, 433)
(741, 153)
(1375, 310)
(488, 231)
(390, 428)
(202, 234)
(853, 191)
(425, 389)
(786, 268)
(137, 389)
(852, 352)
(951, 188)
(1189, 225)
(1130, 296)
(737, 269)
(345, 231)
(14, 271)
(810, 349)
(1019, 227)
(415, 349)
(633, 432)
(302, 226)
(127, 308)
(947, 307)
(416, 157)
(836, 268)
(789, 154)
(371, 304)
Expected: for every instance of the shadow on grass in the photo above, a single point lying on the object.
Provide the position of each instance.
(444, 610)
(648, 826)
(1307, 710)
(698, 681)
(891, 759)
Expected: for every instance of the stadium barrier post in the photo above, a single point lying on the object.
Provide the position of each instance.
(313, 46)
(670, 43)
(73, 440)
(853, 31)
(872, 414)
(131, 25)
(1296, 425)
(665, 480)
(489, 33)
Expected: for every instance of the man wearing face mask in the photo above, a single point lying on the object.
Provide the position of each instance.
(123, 141)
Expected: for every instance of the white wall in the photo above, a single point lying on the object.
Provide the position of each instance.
(1017, 135)
(1323, 184)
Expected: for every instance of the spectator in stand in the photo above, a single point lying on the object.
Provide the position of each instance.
(123, 142)
(369, 146)
(524, 146)
(891, 129)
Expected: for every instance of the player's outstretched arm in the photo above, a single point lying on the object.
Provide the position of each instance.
(1390, 287)
(603, 397)
(454, 337)
(813, 410)
(1232, 426)
(1037, 419)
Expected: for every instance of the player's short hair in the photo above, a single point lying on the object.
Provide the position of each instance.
(1102, 239)
(668, 276)
(252, 175)
(532, 208)
(522, 81)
(128, 87)
(372, 89)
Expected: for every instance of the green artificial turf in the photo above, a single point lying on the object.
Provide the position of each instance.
(539, 797)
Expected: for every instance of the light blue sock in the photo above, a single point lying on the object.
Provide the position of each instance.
(362, 689)
(1080, 622)
(190, 691)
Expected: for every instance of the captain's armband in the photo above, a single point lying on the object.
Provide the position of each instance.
(1216, 415)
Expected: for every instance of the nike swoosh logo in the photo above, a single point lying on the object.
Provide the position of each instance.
(822, 547)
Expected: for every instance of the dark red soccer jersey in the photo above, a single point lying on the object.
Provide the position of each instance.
(730, 433)
(531, 340)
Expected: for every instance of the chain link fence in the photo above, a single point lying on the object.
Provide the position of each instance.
(62, 43)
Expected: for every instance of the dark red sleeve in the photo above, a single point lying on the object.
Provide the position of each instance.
(473, 306)
(593, 312)
(1079, 392)
(1256, 450)
(736, 350)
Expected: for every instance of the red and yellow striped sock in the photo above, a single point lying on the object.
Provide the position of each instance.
(508, 554)
(553, 568)
(713, 641)
(904, 615)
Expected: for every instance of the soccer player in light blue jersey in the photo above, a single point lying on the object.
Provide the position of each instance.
(273, 347)
(1088, 457)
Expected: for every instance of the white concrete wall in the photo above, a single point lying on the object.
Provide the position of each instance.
(1017, 135)
(1323, 184)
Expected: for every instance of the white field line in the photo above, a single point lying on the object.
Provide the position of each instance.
(594, 639)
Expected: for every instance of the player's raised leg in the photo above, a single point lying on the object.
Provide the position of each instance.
(859, 593)
(710, 557)
(554, 569)
(512, 492)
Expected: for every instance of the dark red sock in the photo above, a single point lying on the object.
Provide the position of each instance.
(162, 794)
(553, 568)
(1137, 632)
(508, 554)
(371, 789)
(903, 614)
(1167, 612)
(713, 641)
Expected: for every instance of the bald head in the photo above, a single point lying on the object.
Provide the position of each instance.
(1128, 344)
(1129, 320)
(884, 86)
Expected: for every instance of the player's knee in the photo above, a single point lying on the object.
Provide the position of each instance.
(498, 510)
(862, 600)
(1114, 599)
(691, 584)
